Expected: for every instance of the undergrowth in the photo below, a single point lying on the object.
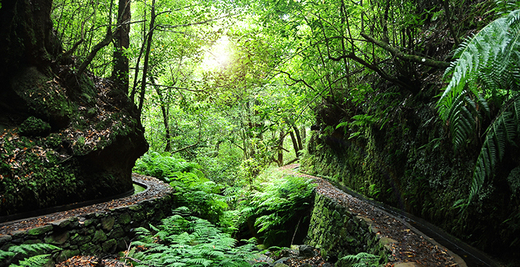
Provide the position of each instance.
(278, 210)
(185, 240)
(192, 189)
(27, 255)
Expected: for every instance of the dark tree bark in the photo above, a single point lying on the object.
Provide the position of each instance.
(295, 143)
(121, 43)
(67, 136)
(165, 114)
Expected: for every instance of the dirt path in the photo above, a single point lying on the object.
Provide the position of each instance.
(408, 245)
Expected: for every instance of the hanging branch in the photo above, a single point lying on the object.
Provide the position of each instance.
(448, 19)
(414, 58)
(106, 41)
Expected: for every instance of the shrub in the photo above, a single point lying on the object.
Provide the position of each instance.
(280, 211)
(27, 255)
(164, 166)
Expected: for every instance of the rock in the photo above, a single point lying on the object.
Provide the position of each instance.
(99, 236)
(57, 238)
(40, 230)
(63, 223)
(109, 246)
(108, 223)
(33, 126)
(281, 261)
(5, 239)
(306, 251)
(78, 134)
(125, 218)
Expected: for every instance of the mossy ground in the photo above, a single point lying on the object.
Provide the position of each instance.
(45, 159)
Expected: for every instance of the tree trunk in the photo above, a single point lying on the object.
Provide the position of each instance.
(295, 143)
(122, 42)
(147, 57)
(298, 138)
(165, 114)
(280, 148)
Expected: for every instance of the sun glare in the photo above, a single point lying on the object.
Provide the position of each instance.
(217, 56)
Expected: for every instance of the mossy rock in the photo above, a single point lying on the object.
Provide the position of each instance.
(33, 126)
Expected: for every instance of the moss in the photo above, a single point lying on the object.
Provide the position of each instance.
(412, 166)
(35, 127)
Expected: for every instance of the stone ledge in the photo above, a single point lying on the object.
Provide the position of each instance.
(94, 233)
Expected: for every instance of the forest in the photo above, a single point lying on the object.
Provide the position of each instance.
(410, 103)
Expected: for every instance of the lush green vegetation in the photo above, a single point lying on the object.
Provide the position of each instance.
(183, 240)
(229, 90)
(203, 231)
(27, 255)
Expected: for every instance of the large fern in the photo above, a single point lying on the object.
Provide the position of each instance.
(361, 259)
(278, 208)
(183, 240)
(486, 70)
(31, 254)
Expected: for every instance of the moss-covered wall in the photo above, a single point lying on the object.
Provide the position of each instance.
(338, 233)
(98, 233)
(410, 164)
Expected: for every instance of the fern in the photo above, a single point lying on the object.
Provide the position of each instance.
(361, 259)
(34, 261)
(500, 133)
(486, 70)
(190, 241)
(280, 206)
(29, 254)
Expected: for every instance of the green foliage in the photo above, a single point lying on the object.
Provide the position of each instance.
(200, 195)
(281, 204)
(183, 240)
(30, 254)
(192, 188)
(165, 167)
(486, 71)
(34, 126)
(362, 259)
(34, 261)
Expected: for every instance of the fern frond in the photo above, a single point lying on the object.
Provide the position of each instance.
(26, 249)
(6, 254)
(500, 133)
(361, 259)
(492, 45)
(35, 261)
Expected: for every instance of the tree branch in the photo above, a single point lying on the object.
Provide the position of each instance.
(414, 58)
(379, 71)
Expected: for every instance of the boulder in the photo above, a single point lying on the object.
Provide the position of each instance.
(64, 137)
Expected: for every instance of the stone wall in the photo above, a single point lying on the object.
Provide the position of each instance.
(93, 234)
(338, 233)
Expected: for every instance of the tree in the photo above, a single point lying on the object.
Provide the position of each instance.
(120, 72)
